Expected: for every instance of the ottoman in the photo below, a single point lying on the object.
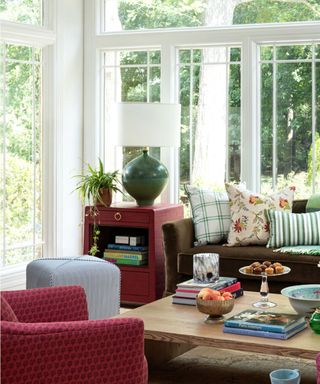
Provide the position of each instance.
(99, 278)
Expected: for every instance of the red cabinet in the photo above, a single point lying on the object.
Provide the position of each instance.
(139, 284)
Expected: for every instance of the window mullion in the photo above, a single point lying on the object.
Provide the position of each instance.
(191, 127)
(33, 154)
(169, 156)
(4, 121)
(227, 170)
(313, 111)
(250, 145)
(274, 121)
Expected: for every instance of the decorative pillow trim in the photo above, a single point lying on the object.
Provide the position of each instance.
(300, 250)
(288, 229)
(211, 214)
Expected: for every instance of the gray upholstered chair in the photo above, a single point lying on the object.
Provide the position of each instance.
(99, 278)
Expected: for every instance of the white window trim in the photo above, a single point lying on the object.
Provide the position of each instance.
(168, 40)
(18, 33)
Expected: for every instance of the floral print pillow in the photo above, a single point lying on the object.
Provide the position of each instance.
(249, 224)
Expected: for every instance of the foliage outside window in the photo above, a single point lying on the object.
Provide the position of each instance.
(151, 14)
(290, 110)
(209, 80)
(22, 11)
(21, 142)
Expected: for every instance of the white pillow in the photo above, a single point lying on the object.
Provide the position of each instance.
(249, 224)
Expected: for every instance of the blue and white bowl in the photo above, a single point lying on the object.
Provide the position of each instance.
(304, 299)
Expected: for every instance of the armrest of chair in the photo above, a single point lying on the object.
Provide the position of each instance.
(65, 303)
(106, 351)
(177, 236)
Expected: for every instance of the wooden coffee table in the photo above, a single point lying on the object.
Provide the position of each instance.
(172, 329)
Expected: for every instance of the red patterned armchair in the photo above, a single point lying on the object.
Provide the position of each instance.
(46, 338)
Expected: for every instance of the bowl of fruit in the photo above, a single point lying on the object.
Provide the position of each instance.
(214, 303)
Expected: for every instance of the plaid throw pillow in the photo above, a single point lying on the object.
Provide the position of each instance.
(293, 228)
(211, 214)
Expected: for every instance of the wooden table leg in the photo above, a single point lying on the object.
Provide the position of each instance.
(160, 352)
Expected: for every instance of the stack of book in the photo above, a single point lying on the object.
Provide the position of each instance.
(187, 291)
(265, 324)
(126, 254)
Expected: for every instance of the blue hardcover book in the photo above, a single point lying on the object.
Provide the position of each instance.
(124, 247)
(270, 335)
(265, 321)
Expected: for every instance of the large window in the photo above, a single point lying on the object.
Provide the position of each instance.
(249, 94)
(209, 93)
(23, 38)
(150, 14)
(290, 105)
(21, 143)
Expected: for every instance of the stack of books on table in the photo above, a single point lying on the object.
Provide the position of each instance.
(187, 291)
(265, 324)
(126, 254)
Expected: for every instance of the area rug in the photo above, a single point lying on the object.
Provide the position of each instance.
(204, 365)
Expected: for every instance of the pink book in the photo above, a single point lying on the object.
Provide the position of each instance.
(231, 288)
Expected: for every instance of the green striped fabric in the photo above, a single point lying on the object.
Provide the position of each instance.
(210, 213)
(288, 229)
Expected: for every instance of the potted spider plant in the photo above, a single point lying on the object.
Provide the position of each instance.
(96, 189)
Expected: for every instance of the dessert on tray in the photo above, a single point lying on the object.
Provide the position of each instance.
(267, 267)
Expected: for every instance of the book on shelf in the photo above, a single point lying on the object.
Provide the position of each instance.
(130, 240)
(222, 282)
(192, 292)
(136, 240)
(272, 335)
(125, 247)
(133, 255)
(265, 321)
(121, 239)
(125, 261)
(192, 301)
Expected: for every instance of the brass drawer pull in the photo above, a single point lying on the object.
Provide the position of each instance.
(117, 216)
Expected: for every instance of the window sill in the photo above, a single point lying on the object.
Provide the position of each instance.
(13, 277)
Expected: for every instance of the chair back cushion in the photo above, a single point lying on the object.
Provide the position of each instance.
(7, 313)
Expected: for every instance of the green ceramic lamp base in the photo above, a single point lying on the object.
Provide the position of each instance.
(144, 178)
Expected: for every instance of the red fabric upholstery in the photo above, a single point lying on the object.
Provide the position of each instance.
(67, 303)
(318, 368)
(6, 311)
(76, 352)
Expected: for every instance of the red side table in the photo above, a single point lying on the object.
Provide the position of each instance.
(139, 284)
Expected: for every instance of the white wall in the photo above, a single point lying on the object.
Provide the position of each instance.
(69, 126)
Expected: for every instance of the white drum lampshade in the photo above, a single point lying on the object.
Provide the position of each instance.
(146, 125)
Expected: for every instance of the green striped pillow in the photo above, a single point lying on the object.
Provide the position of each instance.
(287, 229)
